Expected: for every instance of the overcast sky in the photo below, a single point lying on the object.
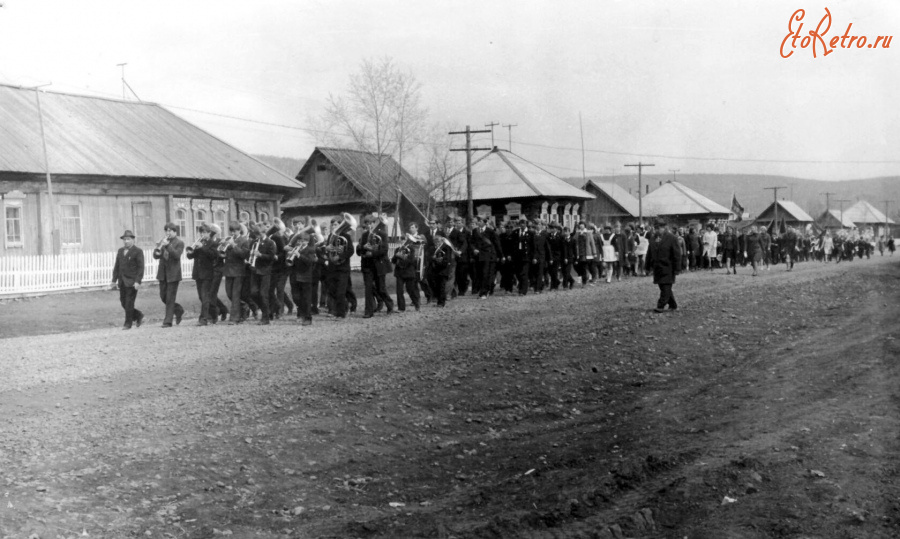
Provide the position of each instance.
(699, 87)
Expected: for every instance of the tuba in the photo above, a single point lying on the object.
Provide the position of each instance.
(374, 240)
(337, 242)
(410, 247)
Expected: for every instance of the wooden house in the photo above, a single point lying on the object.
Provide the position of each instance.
(867, 217)
(681, 205)
(507, 186)
(788, 212)
(116, 165)
(340, 180)
(613, 204)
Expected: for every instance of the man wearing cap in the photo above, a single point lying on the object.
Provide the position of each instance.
(128, 273)
(664, 259)
(169, 273)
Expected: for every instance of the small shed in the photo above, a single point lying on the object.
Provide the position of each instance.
(833, 220)
(612, 204)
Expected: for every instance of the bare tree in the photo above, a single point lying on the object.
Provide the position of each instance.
(380, 113)
(442, 165)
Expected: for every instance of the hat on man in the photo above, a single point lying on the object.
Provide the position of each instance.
(659, 221)
(127, 234)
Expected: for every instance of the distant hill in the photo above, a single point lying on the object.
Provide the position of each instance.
(285, 165)
(750, 192)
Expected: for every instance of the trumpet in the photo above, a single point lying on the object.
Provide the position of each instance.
(225, 245)
(159, 246)
(254, 252)
(297, 246)
(197, 244)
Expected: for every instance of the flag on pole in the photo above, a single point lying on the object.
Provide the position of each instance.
(736, 208)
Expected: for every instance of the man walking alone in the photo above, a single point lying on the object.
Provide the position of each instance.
(664, 258)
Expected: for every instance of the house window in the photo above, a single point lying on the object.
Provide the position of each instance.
(143, 223)
(14, 226)
(244, 217)
(181, 221)
(263, 217)
(71, 224)
(199, 219)
(221, 218)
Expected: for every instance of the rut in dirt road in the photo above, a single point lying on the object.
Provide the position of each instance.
(576, 414)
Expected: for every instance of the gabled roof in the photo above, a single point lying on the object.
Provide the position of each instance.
(864, 213)
(363, 170)
(617, 194)
(92, 136)
(793, 211)
(502, 174)
(674, 198)
(832, 218)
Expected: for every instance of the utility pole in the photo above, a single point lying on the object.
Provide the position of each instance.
(122, 65)
(510, 126)
(581, 127)
(640, 167)
(673, 172)
(827, 200)
(54, 232)
(491, 125)
(469, 149)
(776, 189)
(841, 202)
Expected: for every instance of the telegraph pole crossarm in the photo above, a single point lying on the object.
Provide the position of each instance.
(469, 149)
(640, 167)
(491, 125)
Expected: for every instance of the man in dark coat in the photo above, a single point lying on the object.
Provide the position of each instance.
(557, 255)
(459, 236)
(507, 269)
(168, 252)
(263, 254)
(204, 255)
(302, 278)
(337, 269)
(523, 250)
(541, 255)
(406, 268)
(235, 251)
(373, 249)
(693, 247)
(664, 258)
(486, 248)
(620, 242)
(128, 273)
(789, 247)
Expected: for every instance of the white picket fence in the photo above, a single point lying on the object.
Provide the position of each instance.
(22, 275)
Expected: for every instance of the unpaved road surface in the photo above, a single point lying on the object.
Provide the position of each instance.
(765, 407)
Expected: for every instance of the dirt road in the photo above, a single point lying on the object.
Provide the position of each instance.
(765, 407)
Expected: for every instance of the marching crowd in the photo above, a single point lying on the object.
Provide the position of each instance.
(256, 262)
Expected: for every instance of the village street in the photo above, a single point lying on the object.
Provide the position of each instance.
(765, 407)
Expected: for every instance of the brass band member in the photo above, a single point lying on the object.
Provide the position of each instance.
(486, 248)
(127, 275)
(338, 249)
(280, 271)
(406, 266)
(235, 250)
(216, 307)
(441, 266)
(204, 254)
(302, 249)
(168, 252)
(373, 248)
(262, 256)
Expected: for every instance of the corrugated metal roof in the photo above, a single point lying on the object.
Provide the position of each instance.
(674, 198)
(619, 195)
(362, 170)
(792, 209)
(864, 213)
(95, 136)
(501, 174)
